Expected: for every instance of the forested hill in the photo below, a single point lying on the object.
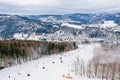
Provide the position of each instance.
(16, 51)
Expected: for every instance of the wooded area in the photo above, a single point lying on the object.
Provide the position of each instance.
(16, 51)
(104, 65)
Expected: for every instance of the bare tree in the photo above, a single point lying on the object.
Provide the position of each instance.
(103, 70)
(89, 70)
(119, 70)
(107, 71)
(113, 70)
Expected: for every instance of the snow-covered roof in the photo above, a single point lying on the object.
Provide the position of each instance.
(109, 24)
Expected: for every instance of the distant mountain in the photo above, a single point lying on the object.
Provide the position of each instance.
(11, 24)
(80, 18)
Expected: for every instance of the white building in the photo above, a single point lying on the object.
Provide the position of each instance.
(109, 24)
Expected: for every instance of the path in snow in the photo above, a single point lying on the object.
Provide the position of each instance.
(49, 67)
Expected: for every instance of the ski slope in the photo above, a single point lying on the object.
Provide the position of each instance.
(49, 67)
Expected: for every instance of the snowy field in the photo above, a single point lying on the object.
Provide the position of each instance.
(50, 67)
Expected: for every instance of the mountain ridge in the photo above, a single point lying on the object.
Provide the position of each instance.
(39, 24)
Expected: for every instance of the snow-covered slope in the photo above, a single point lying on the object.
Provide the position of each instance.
(49, 67)
(72, 25)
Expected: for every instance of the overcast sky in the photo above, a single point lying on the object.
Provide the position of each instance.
(28, 7)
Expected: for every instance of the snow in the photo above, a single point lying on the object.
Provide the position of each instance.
(54, 69)
(117, 30)
(109, 24)
(72, 25)
(5, 16)
(20, 36)
(55, 26)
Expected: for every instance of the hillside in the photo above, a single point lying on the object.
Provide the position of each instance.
(50, 67)
(14, 52)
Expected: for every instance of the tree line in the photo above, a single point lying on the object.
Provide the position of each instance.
(104, 65)
(17, 51)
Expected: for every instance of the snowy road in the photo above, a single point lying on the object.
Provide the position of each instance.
(49, 68)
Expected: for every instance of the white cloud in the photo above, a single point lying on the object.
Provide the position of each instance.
(58, 6)
(28, 2)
